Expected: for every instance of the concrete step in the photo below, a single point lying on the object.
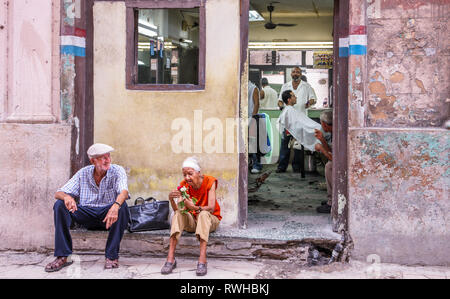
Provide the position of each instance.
(157, 245)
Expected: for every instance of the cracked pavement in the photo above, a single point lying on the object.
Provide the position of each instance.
(21, 265)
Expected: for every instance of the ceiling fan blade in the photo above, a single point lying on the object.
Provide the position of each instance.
(270, 25)
(286, 25)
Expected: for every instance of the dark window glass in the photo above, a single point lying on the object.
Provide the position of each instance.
(168, 46)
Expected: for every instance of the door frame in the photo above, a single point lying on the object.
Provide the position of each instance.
(340, 118)
(244, 7)
(341, 25)
(83, 102)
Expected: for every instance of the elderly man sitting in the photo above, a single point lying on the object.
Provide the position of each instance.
(325, 147)
(102, 190)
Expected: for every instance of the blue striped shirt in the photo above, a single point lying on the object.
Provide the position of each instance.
(82, 185)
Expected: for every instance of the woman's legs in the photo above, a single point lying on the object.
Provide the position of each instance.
(180, 222)
(202, 257)
(206, 223)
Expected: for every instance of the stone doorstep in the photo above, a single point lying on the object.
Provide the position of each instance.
(157, 245)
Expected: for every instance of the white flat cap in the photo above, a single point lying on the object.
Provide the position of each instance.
(99, 149)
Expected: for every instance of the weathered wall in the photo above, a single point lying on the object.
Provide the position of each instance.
(139, 123)
(34, 162)
(398, 152)
(34, 144)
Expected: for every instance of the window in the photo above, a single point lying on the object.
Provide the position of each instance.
(165, 45)
(261, 57)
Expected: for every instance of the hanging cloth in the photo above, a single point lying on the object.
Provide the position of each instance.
(152, 48)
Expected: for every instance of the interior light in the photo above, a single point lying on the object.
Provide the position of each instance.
(290, 45)
(147, 24)
(147, 32)
(254, 16)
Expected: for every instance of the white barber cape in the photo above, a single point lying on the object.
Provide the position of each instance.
(300, 126)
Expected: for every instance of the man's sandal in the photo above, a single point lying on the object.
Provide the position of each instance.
(111, 264)
(59, 263)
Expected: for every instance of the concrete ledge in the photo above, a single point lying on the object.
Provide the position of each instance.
(154, 244)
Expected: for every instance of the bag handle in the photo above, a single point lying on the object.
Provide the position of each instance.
(142, 201)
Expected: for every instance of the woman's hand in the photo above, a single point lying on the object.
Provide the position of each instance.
(174, 194)
(189, 204)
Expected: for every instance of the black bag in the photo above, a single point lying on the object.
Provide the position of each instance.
(149, 214)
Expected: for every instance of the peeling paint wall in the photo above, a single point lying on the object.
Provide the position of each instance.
(139, 123)
(399, 194)
(408, 61)
(398, 152)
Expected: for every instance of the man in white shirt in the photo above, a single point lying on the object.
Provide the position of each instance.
(269, 97)
(306, 97)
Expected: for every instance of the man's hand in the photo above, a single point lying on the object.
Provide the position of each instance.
(318, 134)
(310, 103)
(112, 216)
(320, 149)
(70, 204)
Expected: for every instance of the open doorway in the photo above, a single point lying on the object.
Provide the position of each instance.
(284, 35)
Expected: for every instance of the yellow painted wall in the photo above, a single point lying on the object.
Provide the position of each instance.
(138, 123)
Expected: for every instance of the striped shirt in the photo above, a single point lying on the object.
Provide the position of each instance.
(82, 185)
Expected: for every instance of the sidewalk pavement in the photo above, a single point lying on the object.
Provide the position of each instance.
(86, 266)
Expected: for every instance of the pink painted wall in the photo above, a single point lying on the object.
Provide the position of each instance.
(34, 145)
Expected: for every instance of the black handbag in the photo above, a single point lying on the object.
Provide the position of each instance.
(148, 214)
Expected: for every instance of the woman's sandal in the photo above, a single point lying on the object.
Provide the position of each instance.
(168, 267)
(202, 269)
(59, 263)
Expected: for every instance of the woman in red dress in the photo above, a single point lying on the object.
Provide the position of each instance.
(201, 212)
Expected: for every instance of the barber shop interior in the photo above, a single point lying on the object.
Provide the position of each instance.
(290, 44)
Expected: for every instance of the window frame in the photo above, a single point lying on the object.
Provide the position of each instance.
(132, 7)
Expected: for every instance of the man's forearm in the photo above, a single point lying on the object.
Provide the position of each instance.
(61, 195)
(122, 197)
(325, 145)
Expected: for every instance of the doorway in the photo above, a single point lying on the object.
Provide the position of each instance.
(284, 205)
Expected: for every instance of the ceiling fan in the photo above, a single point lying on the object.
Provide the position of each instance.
(270, 24)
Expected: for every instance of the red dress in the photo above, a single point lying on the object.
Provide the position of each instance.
(201, 194)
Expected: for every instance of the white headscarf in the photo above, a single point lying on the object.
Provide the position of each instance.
(192, 163)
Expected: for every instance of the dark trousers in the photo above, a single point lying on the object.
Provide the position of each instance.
(91, 218)
(298, 164)
(256, 161)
